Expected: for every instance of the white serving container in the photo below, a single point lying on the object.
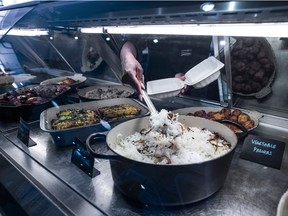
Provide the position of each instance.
(65, 137)
(282, 208)
(199, 76)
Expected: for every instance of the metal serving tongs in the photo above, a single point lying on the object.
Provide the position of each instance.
(148, 102)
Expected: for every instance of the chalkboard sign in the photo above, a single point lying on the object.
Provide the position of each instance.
(24, 133)
(82, 159)
(264, 151)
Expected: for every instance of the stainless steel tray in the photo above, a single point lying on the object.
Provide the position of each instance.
(82, 92)
(66, 136)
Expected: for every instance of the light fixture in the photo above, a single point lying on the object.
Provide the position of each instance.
(92, 30)
(231, 6)
(222, 42)
(236, 29)
(207, 6)
(27, 32)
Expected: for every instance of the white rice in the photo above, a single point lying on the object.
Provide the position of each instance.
(168, 141)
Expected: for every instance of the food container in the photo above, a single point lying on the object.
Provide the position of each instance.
(282, 209)
(199, 76)
(12, 112)
(66, 137)
(105, 92)
(165, 184)
(254, 115)
(252, 55)
(78, 78)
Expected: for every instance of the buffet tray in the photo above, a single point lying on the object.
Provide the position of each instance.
(78, 78)
(82, 93)
(254, 115)
(10, 112)
(66, 137)
(265, 90)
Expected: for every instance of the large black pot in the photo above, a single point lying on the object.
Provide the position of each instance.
(166, 184)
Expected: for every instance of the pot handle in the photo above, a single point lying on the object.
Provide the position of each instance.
(263, 92)
(239, 135)
(101, 153)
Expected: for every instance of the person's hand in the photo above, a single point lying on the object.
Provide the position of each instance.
(182, 77)
(133, 71)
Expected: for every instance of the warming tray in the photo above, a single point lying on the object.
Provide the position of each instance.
(66, 136)
(254, 115)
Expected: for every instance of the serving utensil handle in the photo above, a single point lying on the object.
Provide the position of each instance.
(239, 135)
(148, 102)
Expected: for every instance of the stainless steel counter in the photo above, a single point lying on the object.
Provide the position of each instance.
(250, 188)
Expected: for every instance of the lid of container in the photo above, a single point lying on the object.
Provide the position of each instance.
(203, 70)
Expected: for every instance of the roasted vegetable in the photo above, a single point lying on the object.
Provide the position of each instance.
(71, 118)
(112, 113)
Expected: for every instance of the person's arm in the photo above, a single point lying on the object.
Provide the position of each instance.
(133, 71)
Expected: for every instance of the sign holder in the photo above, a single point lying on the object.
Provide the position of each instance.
(24, 133)
(82, 159)
(264, 151)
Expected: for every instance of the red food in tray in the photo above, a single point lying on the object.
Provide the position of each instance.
(32, 95)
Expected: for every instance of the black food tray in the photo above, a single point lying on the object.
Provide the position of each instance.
(29, 112)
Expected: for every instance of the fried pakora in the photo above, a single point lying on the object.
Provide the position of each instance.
(235, 115)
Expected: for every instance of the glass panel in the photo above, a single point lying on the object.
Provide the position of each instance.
(56, 54)
(9, 18)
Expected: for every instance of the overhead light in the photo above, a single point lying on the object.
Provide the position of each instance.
(92, 30)
(27, 32)
(233, 29)
(231, 6)
(155, 40)
(248, 30)
(207, 6)
(222, 42)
